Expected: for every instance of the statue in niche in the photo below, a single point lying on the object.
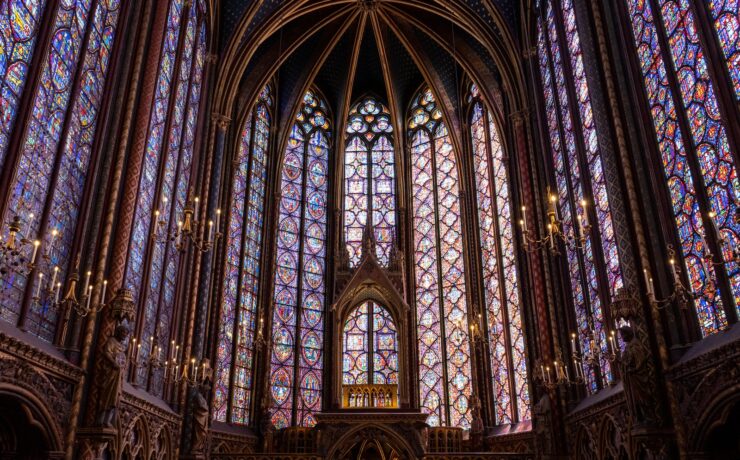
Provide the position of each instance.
(638, 388)
(200, 419)
(542, 415)
(113, 363)
(476, 427)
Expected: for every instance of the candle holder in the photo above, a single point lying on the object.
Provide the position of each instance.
(175, 368)
(188, 229)
(555, 229)
(552, 376)
(682, 295)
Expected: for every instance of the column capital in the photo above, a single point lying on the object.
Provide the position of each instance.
(222, 121)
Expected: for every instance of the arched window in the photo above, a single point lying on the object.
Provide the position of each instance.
(300, 289)
(369, 180)
(370, 354)
(698, 154)
(51, 161)
(441, 305)
(152, 266)
(726, 17)
(235, 354)
(591, 251)
(498, 261)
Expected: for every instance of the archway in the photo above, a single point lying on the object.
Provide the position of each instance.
(723, 441)
(25, 432)
(369, 358)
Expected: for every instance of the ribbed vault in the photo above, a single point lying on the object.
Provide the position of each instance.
(388, 48)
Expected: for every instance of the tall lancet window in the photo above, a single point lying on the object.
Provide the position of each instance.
(498, 256)
(300, 285)
(51, 160)
(441, 304)
(369, 180)
(697, 151)
(235, 354)
(153, 263)
(580, 197)
(369, 348)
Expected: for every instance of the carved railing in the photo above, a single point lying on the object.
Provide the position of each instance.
(370, 396)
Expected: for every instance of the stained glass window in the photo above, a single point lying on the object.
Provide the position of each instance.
(369, 346)
(300, 289)
(441, 305)
(60, 99)
(726, 16)
(19, 23)
(703, 139)
(369, 180)
(241, 281)
(581, 188)
(165, 185)
(500, 281)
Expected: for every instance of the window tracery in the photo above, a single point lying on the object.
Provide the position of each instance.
(369, 174)
(235, 353)
(165, 183)
(500, 280)
(300, 290)
(695, 147)
(594, 265)
(50, 176)
(441, 305)
(370, 353)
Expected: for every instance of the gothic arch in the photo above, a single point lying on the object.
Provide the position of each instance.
(361, 434)
(36, 413)
(369, 282)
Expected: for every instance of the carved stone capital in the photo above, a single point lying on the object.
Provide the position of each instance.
(221, 121)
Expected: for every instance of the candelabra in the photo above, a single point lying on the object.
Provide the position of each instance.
(555, 229)
(189, 228)
(176, 369)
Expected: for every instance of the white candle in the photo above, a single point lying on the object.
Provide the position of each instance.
(573, 343)
(585, 213)
(218, 219)
(54, 234)
(557, 370)
(59, 288)
(166, 366)
(195, 210)
(102, 294)
(54, 278)
(177, 352)
(36, 245)
(27, 233)
(89, 296)
(38, 286)
(648, 281)
(138, 350)
(195, 378)
(210, 230)
(87, 282)
(524, 218)
(675, 271)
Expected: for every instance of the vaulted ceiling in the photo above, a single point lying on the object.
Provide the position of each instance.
(389, 48)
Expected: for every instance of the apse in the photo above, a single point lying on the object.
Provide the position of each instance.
(352, 229)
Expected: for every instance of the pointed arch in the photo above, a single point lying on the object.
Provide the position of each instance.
(369, 180)
(245, 224)
(300, 279)
(439, 267)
